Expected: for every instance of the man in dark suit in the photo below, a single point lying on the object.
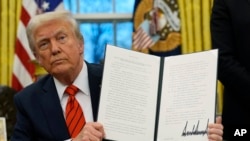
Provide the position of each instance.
(58, 46)
(230, 30)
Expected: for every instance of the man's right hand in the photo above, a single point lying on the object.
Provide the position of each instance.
(92, 131)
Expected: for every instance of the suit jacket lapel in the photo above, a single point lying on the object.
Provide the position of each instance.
(95, 96)
(95, 78)
(52, 108)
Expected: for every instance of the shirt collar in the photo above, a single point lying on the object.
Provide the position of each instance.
(81, 82)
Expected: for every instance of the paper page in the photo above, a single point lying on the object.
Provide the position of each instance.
(128, 96)
(188, 96)
(3, 133)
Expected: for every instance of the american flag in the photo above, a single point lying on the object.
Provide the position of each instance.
(145, 36)
(23, 69)
(141, 39)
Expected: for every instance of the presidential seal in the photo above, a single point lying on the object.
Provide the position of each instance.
(164, 25)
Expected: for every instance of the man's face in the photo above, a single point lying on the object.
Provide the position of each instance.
(57, 48)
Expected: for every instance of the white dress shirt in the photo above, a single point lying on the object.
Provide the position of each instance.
(82, 96)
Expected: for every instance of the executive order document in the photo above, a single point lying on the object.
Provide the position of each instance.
(150, 98)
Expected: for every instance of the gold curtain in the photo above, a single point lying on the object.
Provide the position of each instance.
(10, 11)
(195, 32)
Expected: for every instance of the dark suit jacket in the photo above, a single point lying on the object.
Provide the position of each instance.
(40, 116)
(230, 30)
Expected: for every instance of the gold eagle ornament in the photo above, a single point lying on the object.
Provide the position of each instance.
(168, 24)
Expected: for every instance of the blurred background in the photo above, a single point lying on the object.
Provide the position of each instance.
(180, 26)
(102, 22)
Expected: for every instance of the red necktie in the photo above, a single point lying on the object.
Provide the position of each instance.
(74, 115)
